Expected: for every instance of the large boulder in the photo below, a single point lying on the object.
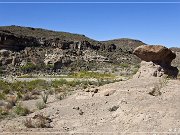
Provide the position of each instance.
(157, 61)
(155, 53)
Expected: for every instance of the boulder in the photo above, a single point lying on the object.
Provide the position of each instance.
(155, 53)
(156, 61)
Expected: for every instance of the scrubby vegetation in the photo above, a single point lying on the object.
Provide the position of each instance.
(38, 121)
(15, 93)
(86, 74)
(156, 90)
(40, 105)
(29, 67)
(20, 110)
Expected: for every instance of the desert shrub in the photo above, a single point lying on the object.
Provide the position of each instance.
(28, 96)
(85, 74)
(38, 121)
(3, 112)
(45, 95)
(134, 71)
(2, 96)
(17, 86)
(57, 83)
(35, 84)
(157, 87)
(28, 123)
(40, 105)
(137, 66)
(61, 95)
(23, 87)
(20, 110)
(61, 89)
(29, 67)
(74, 83)
(124, 65)
(5, 86)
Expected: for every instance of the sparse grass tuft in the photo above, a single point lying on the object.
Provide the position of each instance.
(157, 87)
(45, 95)
(124, 65)
(57, 83)
(28, 123)
(40, 105)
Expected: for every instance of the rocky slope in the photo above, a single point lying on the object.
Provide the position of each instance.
(26, 49)
(40, 51)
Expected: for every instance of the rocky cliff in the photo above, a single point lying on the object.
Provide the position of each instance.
(26, 49)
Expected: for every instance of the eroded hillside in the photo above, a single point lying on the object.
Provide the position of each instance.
(27, 50)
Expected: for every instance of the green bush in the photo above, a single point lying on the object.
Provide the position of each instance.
(22, 111)
(57, 83)
(37, 84)
(5, 86)
(85, 74)
(29, 66)
(124, 65)
(2, 96)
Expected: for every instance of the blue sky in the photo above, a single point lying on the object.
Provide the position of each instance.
(155, 23)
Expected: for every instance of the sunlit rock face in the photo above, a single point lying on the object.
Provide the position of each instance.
(157, 59)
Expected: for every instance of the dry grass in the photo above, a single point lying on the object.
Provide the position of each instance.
(156, 90)
(38, 121)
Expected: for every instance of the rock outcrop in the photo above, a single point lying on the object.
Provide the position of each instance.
(35, 50)
(156, 61)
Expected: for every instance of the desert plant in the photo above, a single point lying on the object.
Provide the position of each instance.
(58, 83)
(29, 67)
(4, 111)
(61, 96)
(85, 74)
(155, 91)
(40, 105)
(158, 86)
(38, 121)
(22, 111)
(29, 96)
(74, 83)
(124, 65)
(28, 123)
(45, 95)
(2, 96)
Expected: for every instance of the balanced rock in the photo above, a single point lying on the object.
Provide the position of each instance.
(155, 53)
(157, 61)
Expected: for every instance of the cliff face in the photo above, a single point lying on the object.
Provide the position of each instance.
(42, 50)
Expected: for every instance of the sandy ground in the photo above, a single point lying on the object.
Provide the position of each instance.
(128, 109)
